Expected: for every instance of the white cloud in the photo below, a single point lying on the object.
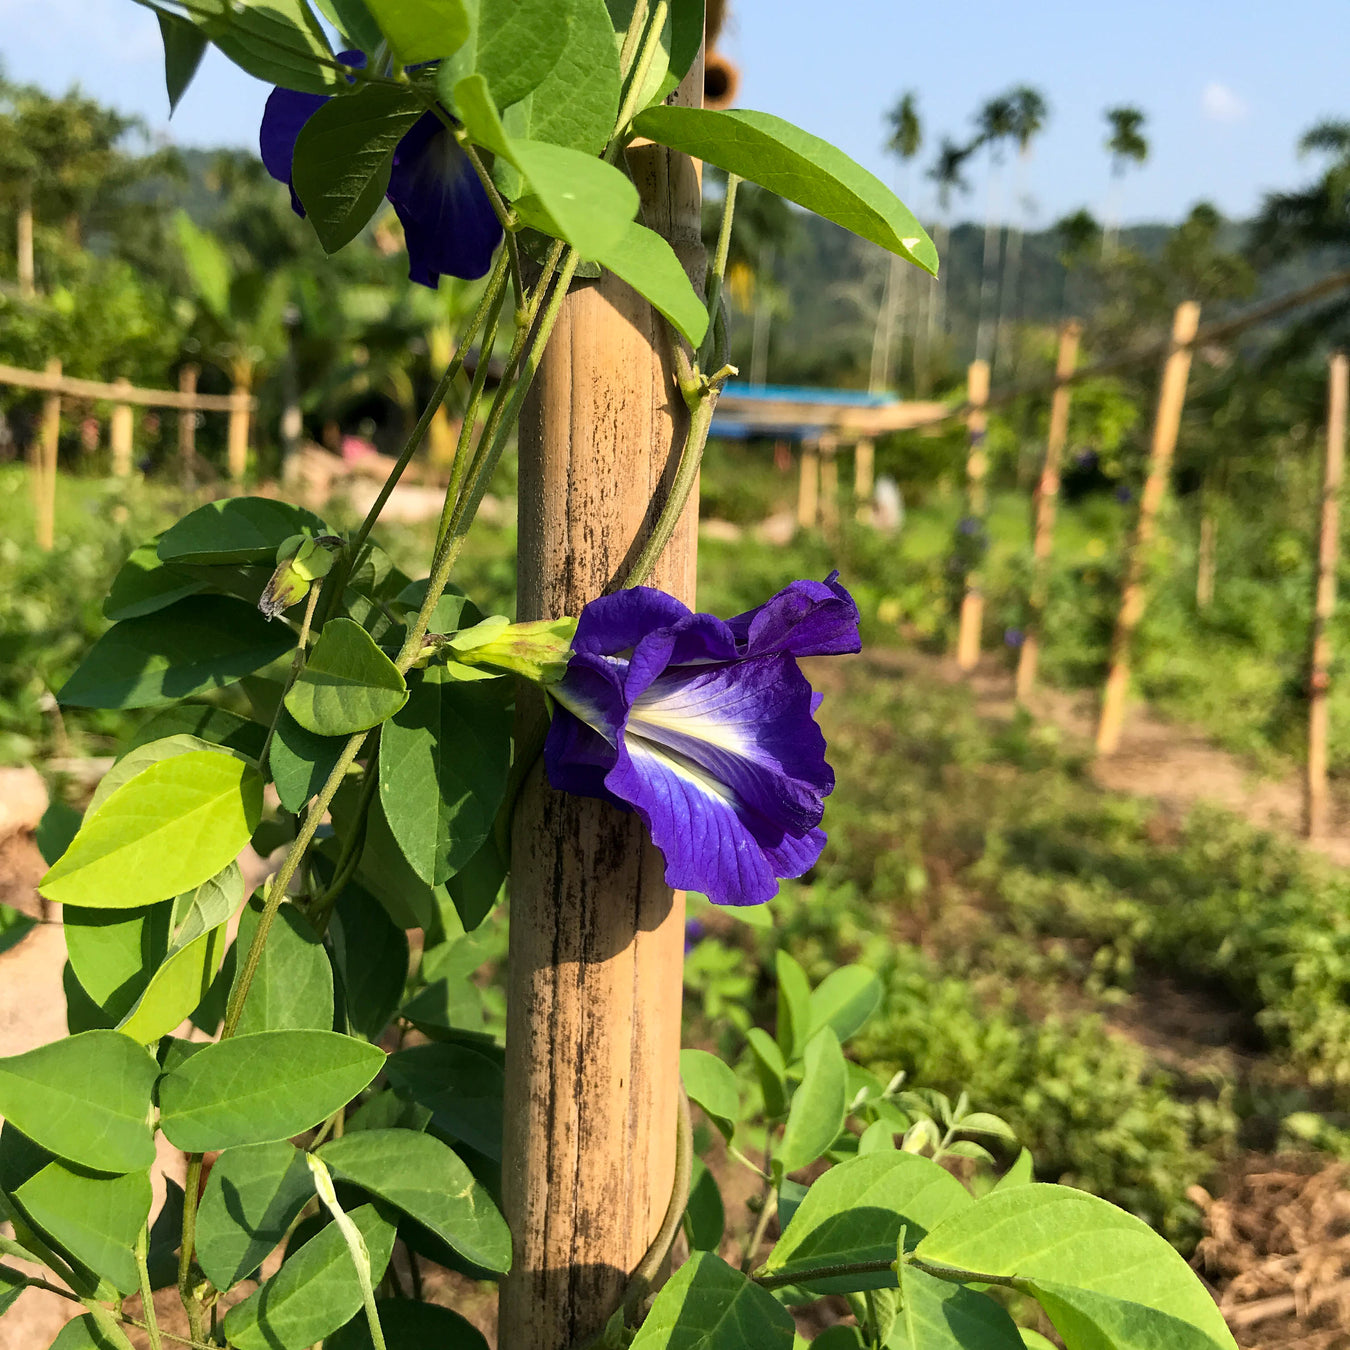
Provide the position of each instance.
(1221, 104)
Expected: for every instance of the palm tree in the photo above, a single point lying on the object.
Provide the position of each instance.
(995, 123)
(1079, 238)
(1030, 113)
(1126, 145)
(905, 141)
(947, 172)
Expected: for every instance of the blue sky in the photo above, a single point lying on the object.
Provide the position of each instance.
(1228, 86)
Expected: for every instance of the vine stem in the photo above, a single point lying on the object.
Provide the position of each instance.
(192, 1185)
(719, 267)
(297, 663)
(641, 69)
(766, 1213)
(50, 1288)
(147, 1292)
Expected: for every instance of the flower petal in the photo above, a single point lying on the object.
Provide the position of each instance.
(580, 748)
(447, 219)
(615, 623)
(284, 116)
(807, 618)
(748, 726)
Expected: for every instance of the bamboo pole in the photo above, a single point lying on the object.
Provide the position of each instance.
(121, 430)
(44, 465)
(977, 464)
(1047, 500)
(1133, 596)
(237, 439)
(23, 244)
(187, 429)
(808, 485)
(597, 939)
(864, 476)
(1204, 563)
(829, 483)
(1328, 552)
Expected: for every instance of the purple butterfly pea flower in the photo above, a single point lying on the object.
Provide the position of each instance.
(705, 727)
(448, 221)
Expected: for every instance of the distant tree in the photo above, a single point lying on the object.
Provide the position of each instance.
(904, 142)
(1080, 241)
(1030, 113)
(947, 172)
(1127, 145)
(995, 123)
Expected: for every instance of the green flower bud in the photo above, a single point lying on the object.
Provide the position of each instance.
(538, 651)
(301, 561)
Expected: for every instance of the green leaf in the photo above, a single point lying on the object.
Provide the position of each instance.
(710, 1083)
(462, 1088)
(706, 1305)
(166, 1236)
(794, 1006)
(315, 1292)
(818, 1106)
(300, 762)
(84, 1333)
(844, 1000)
(705, 1217)
(1087, 1320)
(14, 927)
(292, 988)
(770, 1069)
(208, 266)
(176, 988)
(444, 758)
(58, 826)
(513, 44)
(476, 887)
(384, 871)
(251, 1198)
(95, 1219)
(938, 1315)
(410, 1326)
(347, 685)
(206, 722)
(144, 584)
(353, 21)
(796, 165)
(344, 155)
(113, 953)
(236, 530)
(140, 758)
(855, 1211)
(208, 906)
(1021, 1173)
(577, 103)
(1053, 1232)
(372, 955)
(421, 30)
(12, 1284)
(85, 1099)
(264, 1087)
(575, 196)
(202, 643)
(426, 1180)
(166, 831)
(649, 265)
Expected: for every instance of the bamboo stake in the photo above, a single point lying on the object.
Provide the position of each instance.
(864, 477)
(121, 430)
(1047, 499)
(597, 940)
(237, 440)
(829, 483)
(44, 464)
(1328, 552)
(1133, 597)
(808, 485)
(187, 429)
(977, 464)
(1204, 563)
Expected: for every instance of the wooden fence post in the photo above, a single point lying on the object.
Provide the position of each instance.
(597, 940)
(977, 463)
(1324, 603)
(1204, 562)
(829, 483)
(808, 485)
(1047, 499)
(1133, 596)
(44, 464)
(864, 470)
(237, 441)
(187, 429)
(121, 430)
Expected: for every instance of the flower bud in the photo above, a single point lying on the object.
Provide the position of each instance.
(301, 561)
(538, 651)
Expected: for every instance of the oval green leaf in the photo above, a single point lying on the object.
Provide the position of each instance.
(421, 30)
(85, 1099)
(261, 1088)
(706, 1305)
(164, 832)
(712, 1084)
(347, 685)
(292, 988)
(938, 1315)
(177, 987)
(649, 265)
(409, 1326)
(845, 999)
(236, 530)
(818, 1106)
(144, 584)
(427, 1180)
(462, 1088)
(796, 165)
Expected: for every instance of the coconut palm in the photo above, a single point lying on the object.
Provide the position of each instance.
(995, 123)
(1030, 113)
(1126, 145)
(1080, 238)
(904, 142)
(947, 171)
